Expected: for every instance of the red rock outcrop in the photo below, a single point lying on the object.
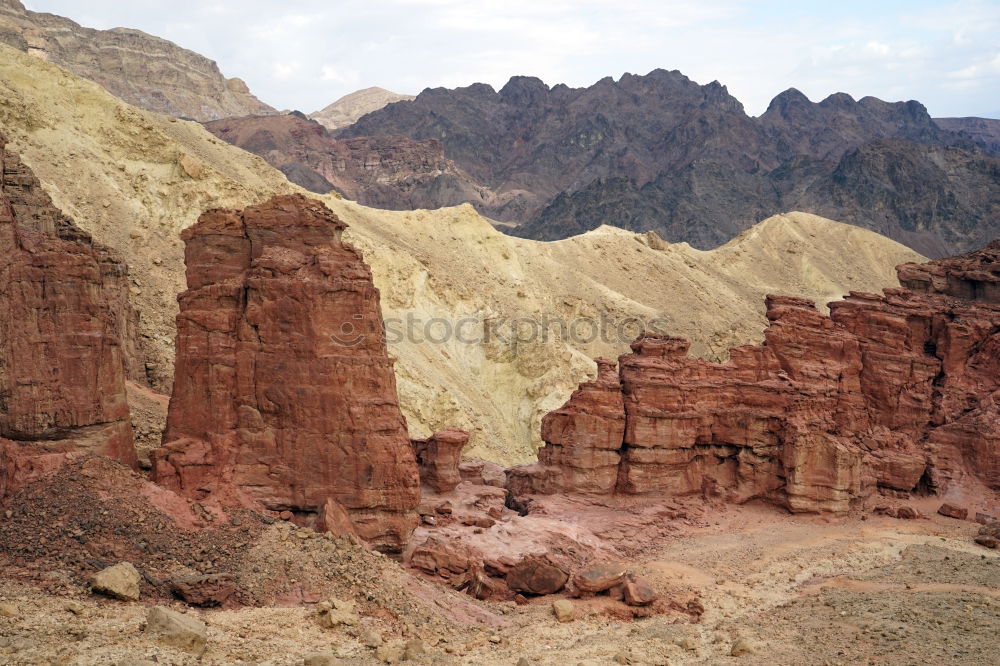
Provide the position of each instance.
(899, 391)
(438, 458)
(64, 305)
(284, 394)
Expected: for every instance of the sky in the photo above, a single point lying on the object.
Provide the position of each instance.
(304, 54)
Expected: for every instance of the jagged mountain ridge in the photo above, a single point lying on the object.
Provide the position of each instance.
(141, 69)
(662, 152)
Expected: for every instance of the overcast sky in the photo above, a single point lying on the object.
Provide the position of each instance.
(304, 54)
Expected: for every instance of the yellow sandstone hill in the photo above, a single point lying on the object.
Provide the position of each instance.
(135, 179)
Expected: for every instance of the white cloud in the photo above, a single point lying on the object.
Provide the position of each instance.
(308, 53)
(284, 70)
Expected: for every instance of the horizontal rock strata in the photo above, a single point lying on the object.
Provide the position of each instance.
(284, 395)
(899, 391)
(65, 312)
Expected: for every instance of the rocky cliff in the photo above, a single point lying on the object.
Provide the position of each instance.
(899, 391)
(984, 131)
(65, 319)
(349, 108)
(660, 152)
(390, 172)
(284, 395)
(141, 69)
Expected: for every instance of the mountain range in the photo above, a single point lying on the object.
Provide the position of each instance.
(661, 152)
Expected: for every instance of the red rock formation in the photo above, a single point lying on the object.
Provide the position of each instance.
(438, 458)
(62, 381)
(583, 439)
(284, 395)
(900, 391)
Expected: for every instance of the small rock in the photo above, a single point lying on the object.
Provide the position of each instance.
(8, 610)
(371, 639)
(136, 661)
(907, 513)
(74, 607)
(686, 642)
(524, 661)
(741, 647)
(321, 659)
(389, 654)
(429, 520)
(952, 511)
(206, 591)
(413, 649)
(118, 582)
(563, 610)
(176, 629)
(638, 592)
(336, 612)
(981, 518)
(622, 658)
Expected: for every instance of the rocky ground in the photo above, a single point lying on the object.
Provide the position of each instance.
(775, 589)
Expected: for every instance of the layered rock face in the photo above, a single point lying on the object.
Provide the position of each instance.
(147, 71)
(984, 131)
(65, 312)
(390, 172)
(439, 457)
(284, 394)
(899, 391)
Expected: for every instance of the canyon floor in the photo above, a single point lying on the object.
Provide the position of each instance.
(790, 589)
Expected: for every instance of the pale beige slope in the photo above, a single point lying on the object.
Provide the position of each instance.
(350, 107)
(135, 179)
(131, 177)
(453, 263)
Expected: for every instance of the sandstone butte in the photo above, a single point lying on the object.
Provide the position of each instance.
(284, 394)
(65, 313)
(899, 391)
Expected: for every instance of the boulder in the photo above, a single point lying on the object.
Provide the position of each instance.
(206, 591)
(952, 511)
(176, 629)
(336, 612)
(120, 581)
(563, 610)
(989, 535)
(599, 577)
(638, 592)
(284, 395)
(536, 575)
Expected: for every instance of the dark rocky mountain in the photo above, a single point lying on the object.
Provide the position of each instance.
(392, 172)
(984, 131)
(660, 152)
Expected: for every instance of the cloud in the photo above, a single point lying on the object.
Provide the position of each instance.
(308, 53)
